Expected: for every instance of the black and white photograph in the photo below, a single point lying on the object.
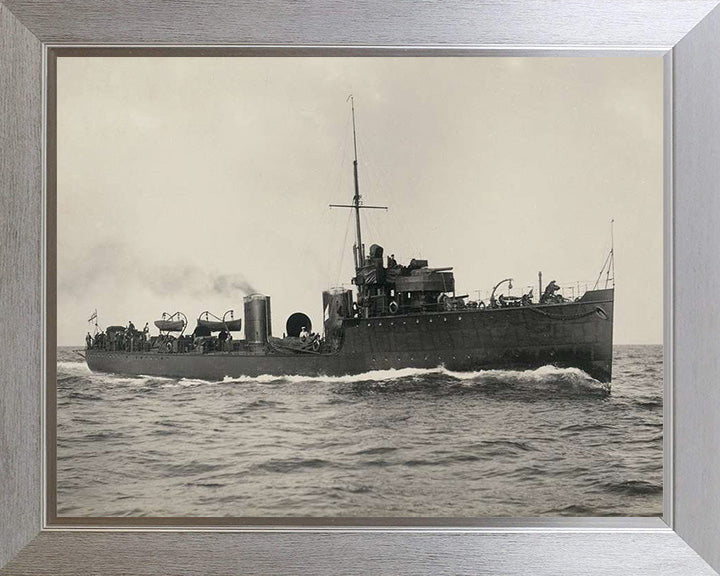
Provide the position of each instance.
(359, 287)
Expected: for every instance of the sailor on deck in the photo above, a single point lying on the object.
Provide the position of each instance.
(222, 338)
(304, 334)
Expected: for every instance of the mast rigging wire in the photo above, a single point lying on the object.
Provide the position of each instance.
(342, 248)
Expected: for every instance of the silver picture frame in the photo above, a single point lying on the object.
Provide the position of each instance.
(685, 33)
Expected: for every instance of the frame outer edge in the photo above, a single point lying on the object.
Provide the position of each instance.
(20, 166)
(219, 554)
(587, 23)
(696, 132)
(20, 284)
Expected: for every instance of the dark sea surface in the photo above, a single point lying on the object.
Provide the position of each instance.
(548, 442)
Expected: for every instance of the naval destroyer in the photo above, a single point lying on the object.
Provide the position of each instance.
(396, 316)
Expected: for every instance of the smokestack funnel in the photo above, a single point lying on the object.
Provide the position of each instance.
(258, 321)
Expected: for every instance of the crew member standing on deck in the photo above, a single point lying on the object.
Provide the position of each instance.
(130, 336)
(222, 337)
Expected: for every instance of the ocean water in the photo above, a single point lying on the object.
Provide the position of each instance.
(548, 442)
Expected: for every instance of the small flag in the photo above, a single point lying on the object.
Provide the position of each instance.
(93, 317)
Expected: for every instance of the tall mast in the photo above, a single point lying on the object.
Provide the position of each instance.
(360, 258)
(611, 266)
(359, 252)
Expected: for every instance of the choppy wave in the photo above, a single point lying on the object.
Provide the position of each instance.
(78, 367)
(407, 442)
(570, 376)
(564, 379)
(70, 372)
(634, 487)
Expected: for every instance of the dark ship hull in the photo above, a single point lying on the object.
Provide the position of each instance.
(572, 334)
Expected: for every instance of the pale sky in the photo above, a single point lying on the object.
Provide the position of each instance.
(183, 182)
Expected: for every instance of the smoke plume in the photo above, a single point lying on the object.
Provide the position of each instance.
(230, 284)
(109, 263)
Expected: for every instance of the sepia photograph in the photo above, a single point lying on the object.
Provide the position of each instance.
(359, 287)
